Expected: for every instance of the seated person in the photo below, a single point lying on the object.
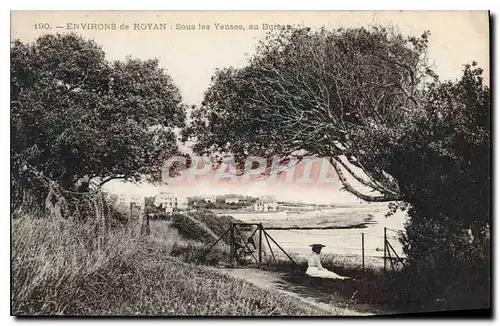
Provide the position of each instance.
(315, 269)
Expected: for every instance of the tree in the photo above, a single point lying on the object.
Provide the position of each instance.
(306, 93)
(367, 99)
(440, 154)
(79, 120)
(441, 159)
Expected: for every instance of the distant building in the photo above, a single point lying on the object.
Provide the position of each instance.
(209, 199)
(122, 200)
(137, 200)
(233, 200)
(168, 202)
(182, 203)
(266, 204)
(125, 201)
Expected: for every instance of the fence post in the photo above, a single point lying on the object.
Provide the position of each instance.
(146, 215)
(267, 234)
(260, 244)
(130, 226)
(269, 245)
(145, 231)
(216, 242)
(231, 245)
(385, 248)
(363, 251)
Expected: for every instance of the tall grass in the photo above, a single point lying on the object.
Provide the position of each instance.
(190, 230)
(57, 269)
(165, 234)
(197, 240)
(50, 259)
(217, 223)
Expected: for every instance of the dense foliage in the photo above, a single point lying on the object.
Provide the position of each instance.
(440, 153)
(367, 99)
(444, 169)
(218, 224)
(308, 92)
(78, 119)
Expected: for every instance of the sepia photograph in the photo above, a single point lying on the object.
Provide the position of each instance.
(250, 163)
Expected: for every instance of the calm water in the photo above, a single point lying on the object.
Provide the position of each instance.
(340, 241)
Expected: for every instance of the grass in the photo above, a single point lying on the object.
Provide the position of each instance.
(390, 291)
(218, 224)
(373, 287)
(57, 269)
(190, 230)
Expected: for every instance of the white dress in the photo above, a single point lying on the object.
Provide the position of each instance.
(315, 269)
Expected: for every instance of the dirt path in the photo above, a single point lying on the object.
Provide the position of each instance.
(307, 294)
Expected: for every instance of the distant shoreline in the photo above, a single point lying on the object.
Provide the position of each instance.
(353, 226)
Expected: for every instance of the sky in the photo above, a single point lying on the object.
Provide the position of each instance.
(191, 56)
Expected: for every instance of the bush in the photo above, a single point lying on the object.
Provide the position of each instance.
(218, 224)
(193, 252)
(440, 157)
(190, 229)
(447, 267)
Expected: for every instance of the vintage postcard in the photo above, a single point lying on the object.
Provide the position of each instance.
(240, 163)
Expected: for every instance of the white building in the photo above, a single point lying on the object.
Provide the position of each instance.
(137, 200)
(232, 200)
(128, 199)
(168, 202)
(122, 200)
(209, 199)
(266, 204)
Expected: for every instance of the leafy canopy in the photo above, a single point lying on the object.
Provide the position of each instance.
(76, 116)
(310, 92)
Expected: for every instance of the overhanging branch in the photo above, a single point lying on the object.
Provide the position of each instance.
(347, 186)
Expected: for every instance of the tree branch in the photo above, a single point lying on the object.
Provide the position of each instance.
(103, 182)
(350, 188)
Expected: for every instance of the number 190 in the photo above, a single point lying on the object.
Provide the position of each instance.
(42, 26)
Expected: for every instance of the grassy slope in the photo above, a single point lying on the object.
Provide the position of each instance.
(201, 229)
(57, 269)
(190, 230)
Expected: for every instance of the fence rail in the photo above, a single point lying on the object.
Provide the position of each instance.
(239, 245)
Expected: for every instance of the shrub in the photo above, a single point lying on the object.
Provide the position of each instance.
(190, 229)
(446, 266)
(217, 223)
(193, 252)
